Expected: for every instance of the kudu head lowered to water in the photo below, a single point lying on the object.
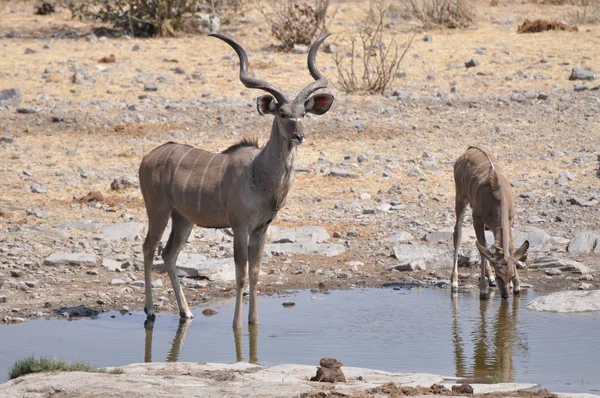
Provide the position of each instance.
(242, 187)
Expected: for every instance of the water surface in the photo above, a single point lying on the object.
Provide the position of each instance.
(417, 330)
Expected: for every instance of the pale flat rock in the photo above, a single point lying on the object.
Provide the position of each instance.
(537, 237)
(83, 225)
(569, 301)
(119, 231)
(400, 237)
(111, 265)
(312, 249)
(584, 242)
(197, 266)
(154, 380)
(313, 234)
(282, 235)
(551, 261)
(434, 258)
(65, 258)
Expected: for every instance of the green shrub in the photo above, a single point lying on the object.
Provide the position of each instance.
(34, 365)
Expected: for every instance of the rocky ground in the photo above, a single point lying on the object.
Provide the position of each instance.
(372, 202)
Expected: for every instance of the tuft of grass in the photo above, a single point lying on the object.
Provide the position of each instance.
(496, 379)
(35, 365)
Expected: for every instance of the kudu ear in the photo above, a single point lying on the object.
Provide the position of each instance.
(319, 103)
(266, 104)
(485, 252)
(521, 253)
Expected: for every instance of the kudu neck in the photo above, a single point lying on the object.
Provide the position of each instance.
(274, 165)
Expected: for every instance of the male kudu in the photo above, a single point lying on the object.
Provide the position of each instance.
(242, 187)
(481, 183)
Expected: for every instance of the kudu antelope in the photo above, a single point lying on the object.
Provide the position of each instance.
(242, 187)
(481, 183)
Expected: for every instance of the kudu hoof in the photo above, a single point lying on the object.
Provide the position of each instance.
(149, 323)
(484, 296)
(186, 315)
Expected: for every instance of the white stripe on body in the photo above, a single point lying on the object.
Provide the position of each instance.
(175, 174)
(158, 155)
(221, 175)
(189, 175)
(202, 182)
(164, 169)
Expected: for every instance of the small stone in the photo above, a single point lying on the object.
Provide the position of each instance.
(427, 38)
(116, 282)
(16, 273)
(10, 97)
(462, 389)
(3, 299)
(331, 49)
(300, 49)
(29, 110)
(30, 51)
(157, 284)
(38, 188)
(471, 63)
(150, 86)
(288, 304)
(553, 271)
(585, 286)
(209, 312)
(542, 95)
(581, 74)
(136, 47)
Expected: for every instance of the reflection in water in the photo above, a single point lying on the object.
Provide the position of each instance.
(178, 340)
(253, 339)
(494, 342)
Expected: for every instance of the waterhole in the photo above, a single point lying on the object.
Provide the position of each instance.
(416, 330)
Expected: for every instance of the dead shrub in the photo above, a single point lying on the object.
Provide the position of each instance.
(295, 21)
(380, 62)
(443, 13)
(541, 25)
(148, 18)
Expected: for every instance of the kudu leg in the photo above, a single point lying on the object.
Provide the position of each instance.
(255, 251)
(240, 256)
(157, 222)
(480, 233)
(516, 282)
(460, 207)
(180, 231)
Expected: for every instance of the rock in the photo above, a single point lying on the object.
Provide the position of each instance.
(117, 282)
(331, 49)
(129, 231)
(569, 301)
(581, 74)
(584, 242)
(38, 188)
(10, 319)
(322, 249)
(415, 265)
(30, 51)
(432, 257)
(121, 183)
(150, 86)
(551, 261)
(585, 286)
(300, 49)
(443, 235)
(401, 94)
(282, 235)
(313, 234)
(329, 372)
(543, 95)
(65, 258)
(16, 273)
(29, 110)
(537, 237)
(111, 265)
(209, 312)
(3, 299)
(471, 63)
(399, 237)
(288, 304)
(198, 266)
(1, 280)
(427, 38)
(462, 389)
(206, 22)
(156, 284)
(178, 70)
(341, 173)
(10, 96)
(136, 47)
(553, 272)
